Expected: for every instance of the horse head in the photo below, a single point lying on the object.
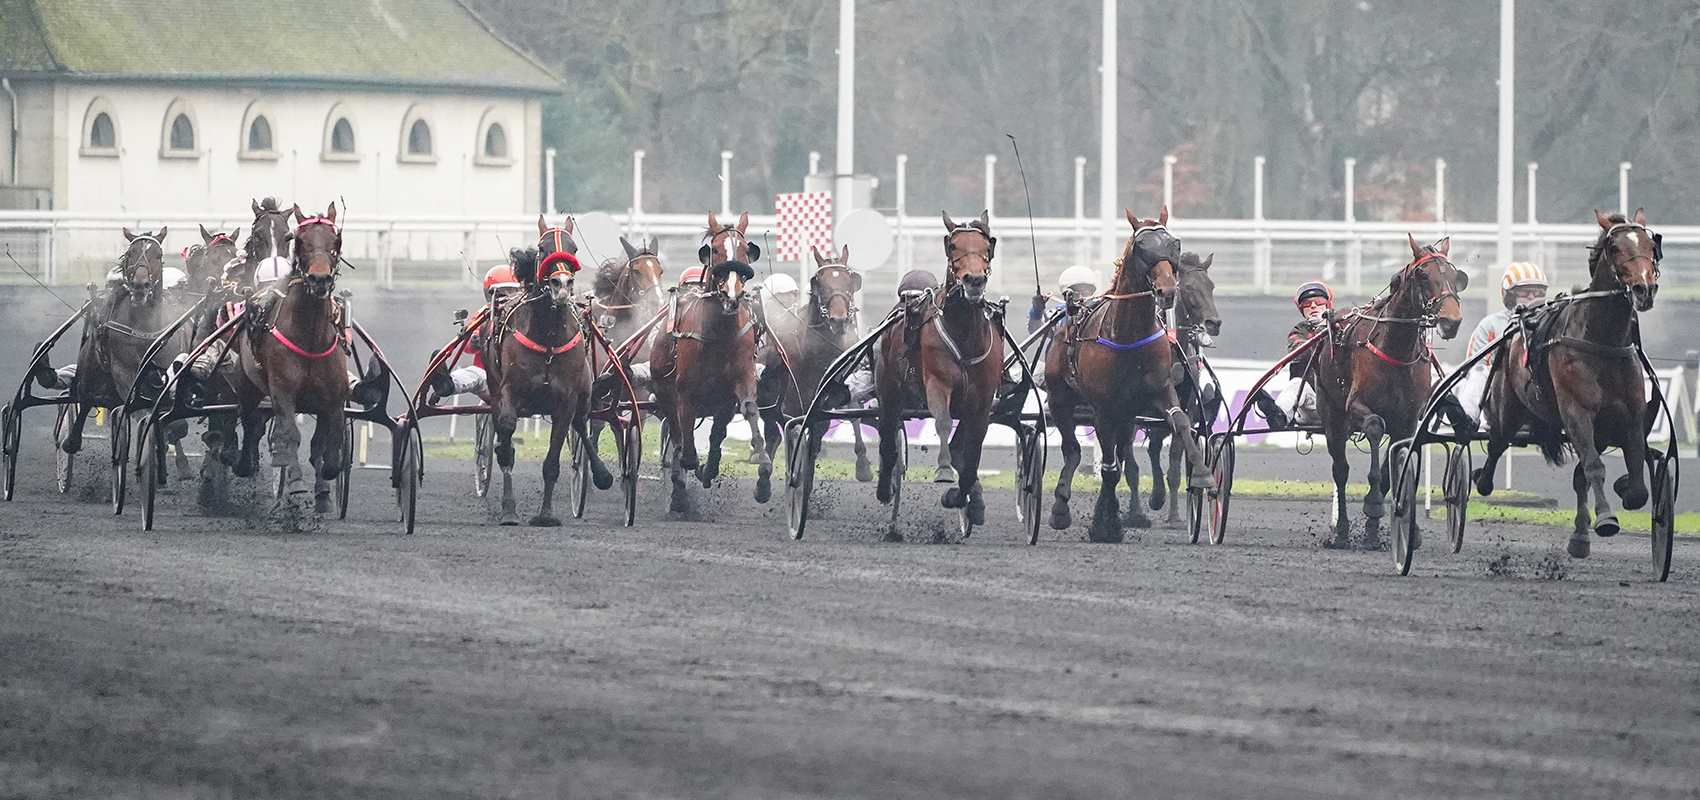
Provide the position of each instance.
(142, 264)
(969, 249)
(318, 251)
(1195, 299)
(557, 262)
(268, 238)
(1150, 259)
(640, 275)
(1633, 253)
(206, 261)
(728, 254)
(832, 291)
(1430, 284)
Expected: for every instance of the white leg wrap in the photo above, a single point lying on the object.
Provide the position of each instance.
(468, 379)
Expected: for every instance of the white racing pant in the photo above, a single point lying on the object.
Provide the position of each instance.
(1298, 402)
(1469, 391)
(470, 380)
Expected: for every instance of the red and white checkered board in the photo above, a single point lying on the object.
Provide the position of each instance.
(805, 220)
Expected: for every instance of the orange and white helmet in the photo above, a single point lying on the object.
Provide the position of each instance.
(499, 277)
(1522, 273)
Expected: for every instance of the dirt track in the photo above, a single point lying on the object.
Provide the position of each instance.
(219, 657)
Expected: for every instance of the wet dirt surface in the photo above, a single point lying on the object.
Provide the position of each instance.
(715, 657)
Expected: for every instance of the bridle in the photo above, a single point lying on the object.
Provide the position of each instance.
(1121, 263)
(299, 255)
(823, 303)
(626, 284)
(950, 246)
(559, 243)
(1608, 244)
(1430, 314)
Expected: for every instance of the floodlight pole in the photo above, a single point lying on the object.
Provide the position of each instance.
(1507, 101)
(846, 167)
(549, 177)
(1623, 188)
(725, 183)
(1107, 138)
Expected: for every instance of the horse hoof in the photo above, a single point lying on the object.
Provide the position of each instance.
(687, 463)
(603, 479)
(1579, 546)
(1375, 509)
(953, 498)
(322, 504)
(1416, 539)
(883, 494)
(545, 521)
(1483, 481)
(1621, 485)
(892, 535)
(508, 519)
(705, 478)
(864, 472)
(977, 513)
(1605, 527)
(1135, 520)
(1201, 480)
(945, 475)
(1061, 520)
(764, 489)
(679, 504)
(1107, 533)
(1157, 499)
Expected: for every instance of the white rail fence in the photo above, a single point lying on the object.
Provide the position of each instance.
(1251, 256)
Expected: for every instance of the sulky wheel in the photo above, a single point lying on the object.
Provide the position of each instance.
(1456, 488)
(11, 435)
(483, 453)
(150, 459)
(1222, 469)
(1029, 481)
(799, 477)
(118, 431)
(1406, 462)
(346, 476)
(63, 462)
(631, 457)
(1664, 517)
(579, 482)
(407, 489)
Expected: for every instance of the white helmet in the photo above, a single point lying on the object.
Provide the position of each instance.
(270, 270)
(1522, 273)
(1078, 274)
(779, 283)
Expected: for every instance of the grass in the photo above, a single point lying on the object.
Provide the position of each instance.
(1687, 523)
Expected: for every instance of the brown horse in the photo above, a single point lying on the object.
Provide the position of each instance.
(295, 354)
(1197, 323)
(538, 359)
(802, 343)
(628, 294)
(1590, 385)
(949, 355)
(704, 361)
(1115, 358)
(205, 262)
(1374, 373)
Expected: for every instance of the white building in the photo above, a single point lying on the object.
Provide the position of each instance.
(396, 107)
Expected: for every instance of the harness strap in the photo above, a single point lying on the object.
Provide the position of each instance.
(121, 328)
(519, 336)
(938, 325)
(1141, 343)
(1596, 348)
(1389, 359)
(336, 342)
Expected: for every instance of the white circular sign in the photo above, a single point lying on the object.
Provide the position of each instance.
(598, 237)
(869, 237)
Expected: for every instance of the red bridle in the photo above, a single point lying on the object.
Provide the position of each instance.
(559, 261)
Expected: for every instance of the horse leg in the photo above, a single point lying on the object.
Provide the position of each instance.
(759, 451)
(938, 402)
(1337, 438)
(74, 437)
(551, 473)
(1154, 452)
(710, 469)
(1174, 476)
(248, 459)
(330, 441)
(1106, 515)
(174, 434)
(1061, 519)
(1135, 516)
(1375, 505)
(504, 419)
(864, 471)
(286, 450)
(687, 433)
(966, 447)
(1632, 488)
(1579, 423)
(590, 432)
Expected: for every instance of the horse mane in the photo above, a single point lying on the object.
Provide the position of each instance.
(608, 276)
(1597, 252)
(525, 262)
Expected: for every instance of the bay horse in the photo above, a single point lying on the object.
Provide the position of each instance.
(538, 361)
(800, 346)
(1579, 375)
(704, 361)
(1197, 323)
(628, 293)
(1105, 360)
(1374, 373)
(295, 355)
(949, 355)
(205, 262)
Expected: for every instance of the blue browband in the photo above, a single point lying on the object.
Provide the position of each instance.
(1141, 343)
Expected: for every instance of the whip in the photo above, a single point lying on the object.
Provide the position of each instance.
(32, 277)
(1038, 287)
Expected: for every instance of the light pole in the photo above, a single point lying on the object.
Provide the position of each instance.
(1107, 138)
(725, 183)
(842, 185)
(1169, 184)
(1440, 190)
(991, 182)
(1532, 167)
(1623, 188)
(549, 178)
(637, 183)
(1507, 100)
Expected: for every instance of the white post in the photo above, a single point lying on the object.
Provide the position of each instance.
(1351, 189)
(1261, 254)
(1080, 243)
(1107, 138)
(1354, 247)
(1440, 190)
(846, 167)
(1257, 188)
(1169, 184)
(637, 182)
(548, 180)
(903, 254)
(991, 182)
(1532, 167)
(1623, 189)
(725, 183)
(1507, 100)
(814, 162)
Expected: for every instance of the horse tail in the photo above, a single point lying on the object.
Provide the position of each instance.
(1550, 439)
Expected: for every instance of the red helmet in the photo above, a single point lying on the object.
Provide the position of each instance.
(500, 276)
(691, 275)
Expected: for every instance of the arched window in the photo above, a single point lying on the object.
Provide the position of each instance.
(494, 149)
(418, 143)
(342, 137)
(182, 133)
(100, 129)
(340, 140)
(258, 138)
(260, 134)
(178, 139)
(495, 142)
(419, 138)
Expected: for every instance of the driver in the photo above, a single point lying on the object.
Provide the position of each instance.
(499, 284)
(1075, 284)
(1295, 405)
(1524, 284)
(783, 289)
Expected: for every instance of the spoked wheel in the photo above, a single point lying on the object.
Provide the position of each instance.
(407, 490)
(346, 476)
(151, 441)
(63, 462)
(579, 483)
(1456, 487)
(1222, 468)
(1029, 482)
(1407, 462)
(799, 477)
(1664, 517)
(118, 432)
(11, 435)
(631, 457)
(483, 453)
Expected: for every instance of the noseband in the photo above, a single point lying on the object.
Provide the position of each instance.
(823, 304)
(1609, 245)
(991, 248)
(560, 258)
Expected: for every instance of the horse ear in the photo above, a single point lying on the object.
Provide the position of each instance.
(1444, 246)
(743, 222)
(1416, 249)
(330, 212)
(631, 252)
(256, 206)
(949, 224)
(713, 223)
(844, 255)
(855, 281)
(1641, 217)
(815, 251)
(568, 226)
(542, 227)
(1163, 215)
(1131, 219)
(1208, 260)
(160, 237)
(1398, 277)
(295, 210)
(986, 220)
(1603, 220)
(128, 236)
(206, 236)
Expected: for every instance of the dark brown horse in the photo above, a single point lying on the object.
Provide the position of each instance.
(704, 361)
(538, 359)
(948, 355)
(802, 342)
(294, 353)
(1197, 323)
(1581, 377)
(1374, 373)
(1116, 359)
(628, 294)
(205, 262)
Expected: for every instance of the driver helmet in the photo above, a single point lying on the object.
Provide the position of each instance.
(1075, 276)
(1517, 276)
(499, 278)
(1314, 289)
(173, 278)
(271, 270)
(780, 283)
